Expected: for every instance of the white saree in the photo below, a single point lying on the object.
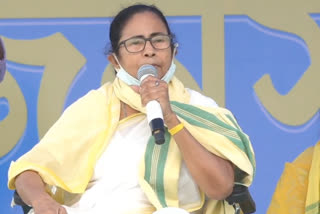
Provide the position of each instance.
(90, 128)
(114, 186)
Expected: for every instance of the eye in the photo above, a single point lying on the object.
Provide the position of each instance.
(159, 39)
(135, 41)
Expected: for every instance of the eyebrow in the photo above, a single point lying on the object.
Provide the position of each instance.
(151, 35)
(158, 33)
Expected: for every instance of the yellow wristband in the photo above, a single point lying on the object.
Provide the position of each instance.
(176, 129)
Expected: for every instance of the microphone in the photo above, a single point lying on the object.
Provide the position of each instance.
(154, 112)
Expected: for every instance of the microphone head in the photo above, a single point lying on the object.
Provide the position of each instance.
(146, 70)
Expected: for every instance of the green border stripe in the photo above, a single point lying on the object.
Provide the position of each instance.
(155, 162)
(210, 122)
(160, 171)
(207, 123)
(245, 140)
(198, 117)
(148, 159)
(154, 166)
(314, 208)
(203, 119)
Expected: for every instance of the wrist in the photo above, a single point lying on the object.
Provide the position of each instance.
(171, 120)
(176, 129)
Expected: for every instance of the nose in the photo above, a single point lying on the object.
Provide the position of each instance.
(149, 49)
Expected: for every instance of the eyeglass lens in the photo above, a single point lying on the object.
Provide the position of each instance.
(137, 44)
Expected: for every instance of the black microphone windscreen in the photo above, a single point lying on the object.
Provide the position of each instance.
(147, 69)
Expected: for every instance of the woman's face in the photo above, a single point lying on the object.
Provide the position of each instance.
(144, 24)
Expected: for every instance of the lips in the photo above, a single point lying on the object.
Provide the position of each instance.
(156, 66)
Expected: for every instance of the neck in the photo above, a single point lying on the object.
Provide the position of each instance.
(126, 111)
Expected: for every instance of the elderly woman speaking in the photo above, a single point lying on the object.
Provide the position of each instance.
(101, 156)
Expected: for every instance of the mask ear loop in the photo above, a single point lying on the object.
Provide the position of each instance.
(175, 47)
(116, 58)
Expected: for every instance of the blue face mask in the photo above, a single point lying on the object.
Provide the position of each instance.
(130, 80)
(125, 76)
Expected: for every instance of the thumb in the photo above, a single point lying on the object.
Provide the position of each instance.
(135, 88)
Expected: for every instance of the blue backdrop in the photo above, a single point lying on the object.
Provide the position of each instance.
(251, 50)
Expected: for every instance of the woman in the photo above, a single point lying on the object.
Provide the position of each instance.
(298, 188)
(116, 167)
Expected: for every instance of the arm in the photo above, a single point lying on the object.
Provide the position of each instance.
(31, 189)
(214, 175)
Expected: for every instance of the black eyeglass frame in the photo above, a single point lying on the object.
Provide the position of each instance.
(145, 42)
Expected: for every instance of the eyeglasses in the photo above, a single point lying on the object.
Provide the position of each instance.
(138, 43)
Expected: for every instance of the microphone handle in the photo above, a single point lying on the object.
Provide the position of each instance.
(154, 110)
(155, 120)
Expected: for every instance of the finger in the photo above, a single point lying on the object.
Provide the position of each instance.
(62, 210)
(148, 78)
(135, 88)
(151, 85)
(154, 87)
(147, 88)
(154, 94)
(162, 84)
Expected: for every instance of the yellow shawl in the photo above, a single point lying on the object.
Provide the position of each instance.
(298, 188)
(67, 154)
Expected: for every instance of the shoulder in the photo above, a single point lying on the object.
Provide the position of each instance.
(197, 98)
(93, 100)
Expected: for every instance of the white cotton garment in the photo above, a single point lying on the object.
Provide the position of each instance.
(114, 187)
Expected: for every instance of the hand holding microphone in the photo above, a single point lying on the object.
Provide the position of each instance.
(154, 111)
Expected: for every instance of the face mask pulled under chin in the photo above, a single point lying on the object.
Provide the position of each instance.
(130, 80)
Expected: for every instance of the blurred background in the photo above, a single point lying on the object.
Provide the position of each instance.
(260, 59)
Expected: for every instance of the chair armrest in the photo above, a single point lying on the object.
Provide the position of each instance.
(18, 201)
(240, 195)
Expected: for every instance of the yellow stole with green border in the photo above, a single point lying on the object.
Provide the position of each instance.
(66, 156)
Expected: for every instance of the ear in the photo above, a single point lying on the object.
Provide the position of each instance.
(113, 61)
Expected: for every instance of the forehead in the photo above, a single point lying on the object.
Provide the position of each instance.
(143, 24)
